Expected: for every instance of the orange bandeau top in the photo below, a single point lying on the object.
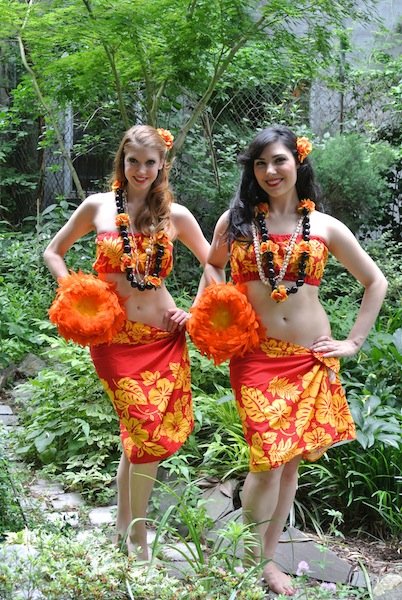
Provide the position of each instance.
(109, 252)
(243, 264)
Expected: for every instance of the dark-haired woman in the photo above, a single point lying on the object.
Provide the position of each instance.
(145, 370)
(288, 393)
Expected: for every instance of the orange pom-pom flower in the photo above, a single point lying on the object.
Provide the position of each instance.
(86, 310)
(223, 323)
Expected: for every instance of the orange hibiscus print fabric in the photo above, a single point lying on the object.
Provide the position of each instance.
(146, 374)
(291, 402)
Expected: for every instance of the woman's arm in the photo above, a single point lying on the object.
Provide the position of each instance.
(79, 224)
(344, 246)
(190, 234)
(219, 253)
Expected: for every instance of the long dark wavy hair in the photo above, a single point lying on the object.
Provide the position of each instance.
(160, 197)
(249, 193)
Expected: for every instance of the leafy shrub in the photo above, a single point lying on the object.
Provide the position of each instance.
(352, 174)
(205, 376)
(10, 512)
(365, 487)
(26, 286)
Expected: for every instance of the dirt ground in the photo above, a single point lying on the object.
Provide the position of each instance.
(378, 557)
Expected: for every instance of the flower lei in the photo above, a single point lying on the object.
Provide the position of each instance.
(167, 137)
(266, 249)
(131, 255)
(303, 147)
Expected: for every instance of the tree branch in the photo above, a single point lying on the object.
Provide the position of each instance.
(110, 55)
(221, 66)
(48, 110)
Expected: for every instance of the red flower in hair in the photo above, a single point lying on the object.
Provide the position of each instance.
(167, 137)
(304, 147)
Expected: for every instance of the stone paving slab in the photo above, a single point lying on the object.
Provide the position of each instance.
(102, 515)
(218, 503)
(69, 517)
(68, 500)
(5, 409)
(45, 488)
(8, 419)
(324, 564)
(388, 588)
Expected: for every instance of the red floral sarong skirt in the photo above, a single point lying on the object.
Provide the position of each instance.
(146, 374)
(291, 402)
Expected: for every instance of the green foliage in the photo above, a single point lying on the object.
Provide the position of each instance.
(365, 487)
(206, 377)
(25, 294)
(64, 567)
(168, 64)
(10, 512)
(387, 253)
(225, 451)
(69, 425)
(352, 174)
(26, 286)
(19, 177)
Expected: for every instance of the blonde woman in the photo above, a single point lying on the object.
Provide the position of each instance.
(145, 370)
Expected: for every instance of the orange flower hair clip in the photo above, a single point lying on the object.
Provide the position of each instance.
(167, 137)
(303, 147)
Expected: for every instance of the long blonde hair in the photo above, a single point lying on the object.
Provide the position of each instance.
(160, 197)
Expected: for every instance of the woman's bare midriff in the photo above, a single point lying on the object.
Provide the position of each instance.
(300, 319)
(146, 307)
(149, 306)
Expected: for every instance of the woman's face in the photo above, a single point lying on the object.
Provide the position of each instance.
(141, 166)
(276, 171)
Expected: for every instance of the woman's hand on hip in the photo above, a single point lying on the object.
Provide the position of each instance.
(175, 318)
(329, 347)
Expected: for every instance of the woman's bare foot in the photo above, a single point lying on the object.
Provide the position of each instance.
(117, 539)
(137, 549)
(277, 581)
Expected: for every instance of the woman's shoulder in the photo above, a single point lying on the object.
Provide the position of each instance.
(336, 233)
(99, 198)
(327, 223)
(178, 210)
(223, 220)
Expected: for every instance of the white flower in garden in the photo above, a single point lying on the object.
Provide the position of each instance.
(302, 568)
(329, 587)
